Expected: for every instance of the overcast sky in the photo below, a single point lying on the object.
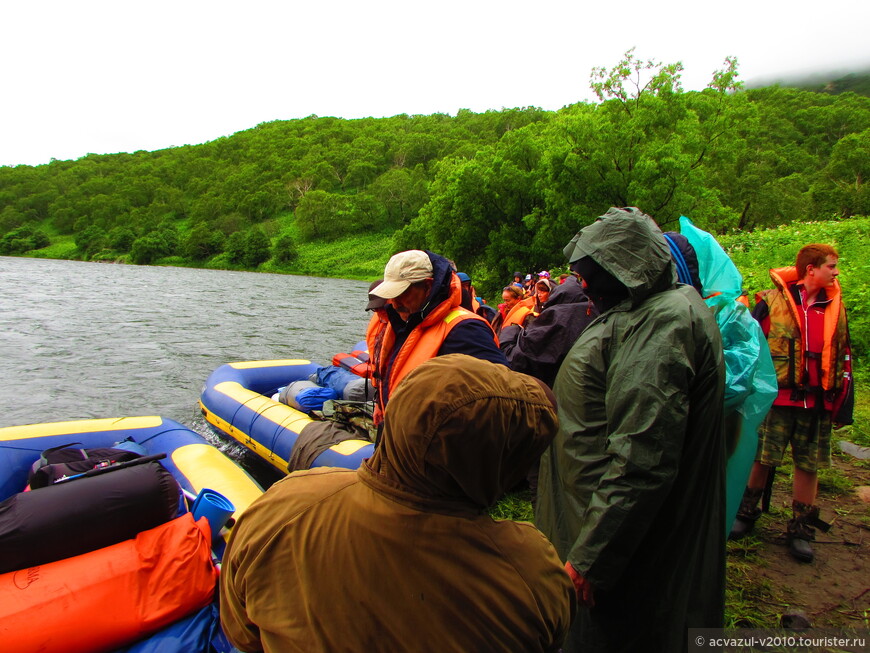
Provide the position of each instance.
(82, 76)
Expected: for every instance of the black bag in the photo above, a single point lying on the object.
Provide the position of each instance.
(107, 503)
(62, 462)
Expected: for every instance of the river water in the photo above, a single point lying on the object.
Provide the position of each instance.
(83, 340)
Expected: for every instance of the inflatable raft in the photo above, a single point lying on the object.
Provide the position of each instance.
(152, 592)
(237, 401)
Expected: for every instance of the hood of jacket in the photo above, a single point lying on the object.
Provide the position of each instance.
(458, 433)
(628, 244)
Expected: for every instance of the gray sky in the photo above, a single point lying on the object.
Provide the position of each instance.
(124, 75)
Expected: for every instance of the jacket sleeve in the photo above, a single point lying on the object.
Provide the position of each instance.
(474, 338)
(646, 405)
(508, 338)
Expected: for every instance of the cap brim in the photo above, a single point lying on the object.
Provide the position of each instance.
(390, 289)
(376, 302)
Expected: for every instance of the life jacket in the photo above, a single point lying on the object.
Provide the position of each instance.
(519, 312)
(356, 362)
(787, 341)
(743, 298)
(422, 344)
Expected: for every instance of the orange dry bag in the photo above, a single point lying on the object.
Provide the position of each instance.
(110, 597)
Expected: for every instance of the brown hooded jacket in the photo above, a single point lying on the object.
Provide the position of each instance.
(399, 555)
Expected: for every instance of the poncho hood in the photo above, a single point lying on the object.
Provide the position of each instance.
(628, 244)
(458, 433)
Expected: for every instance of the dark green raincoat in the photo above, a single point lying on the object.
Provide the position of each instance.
(632, 490)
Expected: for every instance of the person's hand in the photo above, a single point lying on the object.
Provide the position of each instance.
(582, 587)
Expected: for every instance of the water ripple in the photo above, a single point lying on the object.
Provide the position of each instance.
(82, 340)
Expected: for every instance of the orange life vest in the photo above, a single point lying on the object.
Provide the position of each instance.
(787, 341)
(519, 312)
(423, 343)
(356, 362)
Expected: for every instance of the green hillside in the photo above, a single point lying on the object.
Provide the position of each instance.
(857, 82)
(496, 191)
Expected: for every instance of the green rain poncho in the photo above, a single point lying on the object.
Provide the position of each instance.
(632, 490)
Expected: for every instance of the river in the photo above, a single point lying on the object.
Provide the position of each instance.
(83, 340)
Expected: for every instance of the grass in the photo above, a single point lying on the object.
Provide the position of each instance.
(62, 247)
(357, 256)
(515, 506)
(751, 601)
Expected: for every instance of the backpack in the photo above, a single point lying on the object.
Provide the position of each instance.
(62, 462)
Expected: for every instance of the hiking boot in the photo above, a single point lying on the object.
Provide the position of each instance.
(799, 531)
(747, 514)
(800, 549)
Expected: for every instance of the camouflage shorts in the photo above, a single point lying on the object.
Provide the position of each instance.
(808, 431)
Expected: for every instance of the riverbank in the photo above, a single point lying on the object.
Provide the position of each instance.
(359, 256)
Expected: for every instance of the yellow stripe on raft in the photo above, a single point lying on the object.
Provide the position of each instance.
(247, 365)
(205, 466)
(347, 447)
(78, 426)
(243, 438)
(277, 413)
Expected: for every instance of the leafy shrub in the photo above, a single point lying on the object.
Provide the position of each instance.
(285, 250)
(258, 249)
(149, 248)
(23, 239)
(203, 242)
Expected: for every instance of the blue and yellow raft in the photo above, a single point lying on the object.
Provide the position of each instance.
(194, 464)
(236, 401)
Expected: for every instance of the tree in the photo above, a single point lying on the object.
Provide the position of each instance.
(203, 242)
(91, 240)
(285, 250)
(849, 170)
(120, 239)
(235, 247)
(258, 249)
(322, 215)
(646, 144)
(401, 192)
(149, 248)
(484, 212)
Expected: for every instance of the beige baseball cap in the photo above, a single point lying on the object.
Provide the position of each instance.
(402, 270)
